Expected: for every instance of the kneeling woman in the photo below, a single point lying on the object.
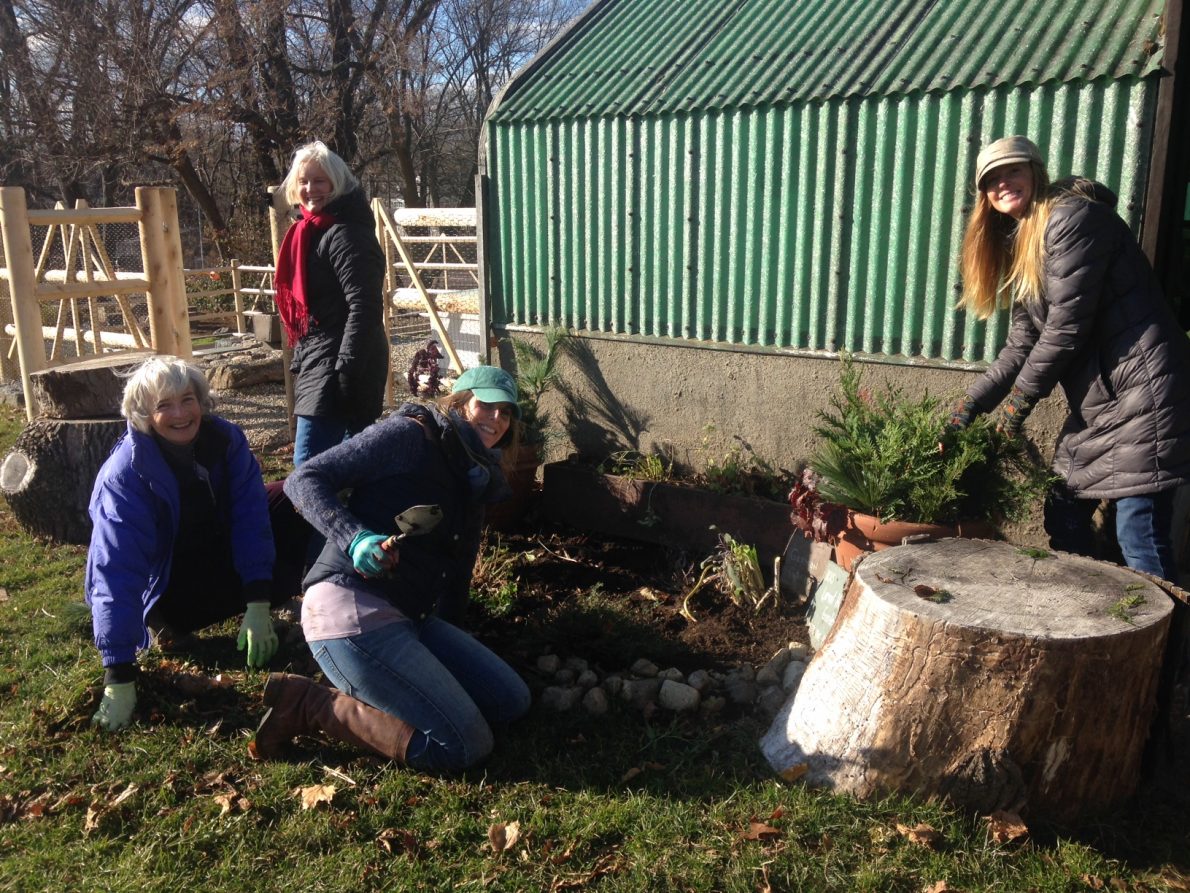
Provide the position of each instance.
(381, 617)
(186, 533)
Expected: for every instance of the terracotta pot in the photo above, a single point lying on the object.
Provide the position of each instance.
(867, 533)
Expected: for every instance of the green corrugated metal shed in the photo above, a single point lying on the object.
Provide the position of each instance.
(792, 174)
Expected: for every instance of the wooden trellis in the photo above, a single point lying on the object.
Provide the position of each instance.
(88, 275)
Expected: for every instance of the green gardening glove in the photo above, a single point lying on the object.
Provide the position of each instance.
(258, 634)
(115, 710)
(369, 555)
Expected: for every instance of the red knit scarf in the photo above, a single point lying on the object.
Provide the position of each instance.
(290, 279)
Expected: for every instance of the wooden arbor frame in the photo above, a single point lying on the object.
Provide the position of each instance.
(88, 274)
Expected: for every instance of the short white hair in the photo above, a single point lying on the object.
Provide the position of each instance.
(157, 379)
(342, 179)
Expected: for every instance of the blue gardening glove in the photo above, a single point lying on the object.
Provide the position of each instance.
(115, 710)
(963, 414)
(1013, 413)
(369, 555)
(256, 631)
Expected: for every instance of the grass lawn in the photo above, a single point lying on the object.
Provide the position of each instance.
(566, 803)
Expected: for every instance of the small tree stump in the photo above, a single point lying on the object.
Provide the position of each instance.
(972, 670)
(48, 476)
(87, 389)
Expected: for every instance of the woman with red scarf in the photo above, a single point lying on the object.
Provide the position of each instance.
(330, 276)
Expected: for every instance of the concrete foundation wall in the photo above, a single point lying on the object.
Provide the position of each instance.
(696, 403)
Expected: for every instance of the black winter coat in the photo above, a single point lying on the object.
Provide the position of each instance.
(1105, 333)
(341, 364)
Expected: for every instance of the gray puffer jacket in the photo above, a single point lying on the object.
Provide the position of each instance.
(1105, 333)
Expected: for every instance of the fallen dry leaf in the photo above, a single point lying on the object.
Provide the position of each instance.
(921, 834)
(794, 772)
(124, 795)
(92, 818)
(937, 887)
(232, 801)
(503, 837)
(1093, 881)
(1005, 826)
(631, 774)
(3, 594)
(776, 813)
(758, 830)
(315, 795)
(395, 841)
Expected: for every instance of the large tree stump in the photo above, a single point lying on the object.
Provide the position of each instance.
(87, 389)
(975, 671)
(48, 476)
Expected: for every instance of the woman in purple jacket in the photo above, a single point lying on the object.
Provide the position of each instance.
(183, 532)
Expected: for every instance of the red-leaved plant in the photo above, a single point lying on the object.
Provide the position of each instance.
(817, 519)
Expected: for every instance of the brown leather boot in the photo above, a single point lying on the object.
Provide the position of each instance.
(297, 706)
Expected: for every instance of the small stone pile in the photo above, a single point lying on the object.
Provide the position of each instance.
(572, 681)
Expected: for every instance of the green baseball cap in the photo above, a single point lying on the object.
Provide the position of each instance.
(491, 385)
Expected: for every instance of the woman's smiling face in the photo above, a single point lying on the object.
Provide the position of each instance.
(1009, 188)
(175, 419)
(490, 420)
(314, 187)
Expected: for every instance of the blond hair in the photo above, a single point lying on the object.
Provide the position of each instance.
(1003, 260)
(342, 179)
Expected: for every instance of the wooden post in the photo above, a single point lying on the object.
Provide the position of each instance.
(26, 311)
(984, 673)
(152, 247)
(237, 296)
(279, 224)
(179, 310)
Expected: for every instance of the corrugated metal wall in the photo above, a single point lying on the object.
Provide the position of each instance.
(820, 226)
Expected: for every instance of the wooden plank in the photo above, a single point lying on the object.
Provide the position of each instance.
(84, 216)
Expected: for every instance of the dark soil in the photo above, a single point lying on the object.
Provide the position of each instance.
(612, 601)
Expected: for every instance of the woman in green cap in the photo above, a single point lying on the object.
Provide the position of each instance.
(381, 616)
(1089, 316)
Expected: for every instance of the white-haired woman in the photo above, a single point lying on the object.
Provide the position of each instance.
(329, 283)
(1088, 315)
(183, 532)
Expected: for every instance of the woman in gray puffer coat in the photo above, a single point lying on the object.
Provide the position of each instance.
(1088, 315)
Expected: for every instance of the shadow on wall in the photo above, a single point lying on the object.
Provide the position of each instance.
(598, 422)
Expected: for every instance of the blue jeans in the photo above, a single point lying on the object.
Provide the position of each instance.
(434, 676)
(1144, 527)
(315, 434)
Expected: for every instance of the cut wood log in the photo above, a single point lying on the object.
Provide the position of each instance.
(983, 673)
(48, 476)
(87, 389)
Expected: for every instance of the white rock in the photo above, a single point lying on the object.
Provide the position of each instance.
(780, 659)
(644, 668)
(595, 702)
(640, 691)
(799, 651)
(768, 675)
(578, 664)
(564, 676)
(613, 685)
(673, 673)
(793, 675)
(699, 680)
(560, 699)
(741, 692)
(742, 673)
(549, 663)
(771, 699)
(586, 679)
(678, 696)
